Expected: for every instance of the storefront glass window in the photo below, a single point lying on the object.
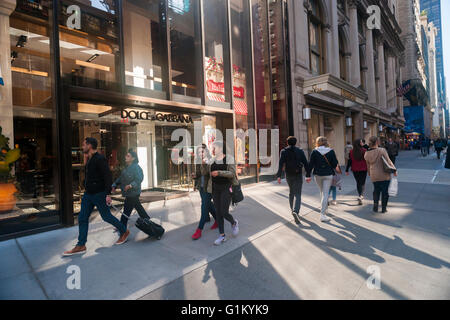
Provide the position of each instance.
(242, 83)
(277, 42)
(262, 73)
(148, 132)
(89, 44)
(144, 46)
(28, 160)
(186, 51)
(217, 64)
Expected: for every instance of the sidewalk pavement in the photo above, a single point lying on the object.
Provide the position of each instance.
(32, 267)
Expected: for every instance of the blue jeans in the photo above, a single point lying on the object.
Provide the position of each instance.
(333, 191)
(88, 202)
(207, 207)
(295, 191)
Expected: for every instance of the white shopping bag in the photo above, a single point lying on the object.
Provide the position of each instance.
(393, 187)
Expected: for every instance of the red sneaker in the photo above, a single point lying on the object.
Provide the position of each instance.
(197, 234)
(214, 226)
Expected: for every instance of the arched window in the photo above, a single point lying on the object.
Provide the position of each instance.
(342, 57)
(342, 5)
(316, 39)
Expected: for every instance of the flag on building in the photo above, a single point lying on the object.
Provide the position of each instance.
(1, 77)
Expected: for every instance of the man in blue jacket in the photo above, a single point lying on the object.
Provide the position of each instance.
(292, 159)
(97, 194)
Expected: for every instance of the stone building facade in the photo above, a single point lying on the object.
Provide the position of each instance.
(416, 71)
(347, 62)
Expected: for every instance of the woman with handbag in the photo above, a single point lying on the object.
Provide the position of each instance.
(324, 164)
(379, 168)
(223, 177)
(201, 177)
(358, 164)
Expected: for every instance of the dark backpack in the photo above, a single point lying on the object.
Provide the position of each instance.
(293, 165)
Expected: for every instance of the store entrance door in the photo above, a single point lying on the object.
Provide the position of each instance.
(115, 137)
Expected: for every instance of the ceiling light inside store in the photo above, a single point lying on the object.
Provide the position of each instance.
(18, 33)
(64, 44)
(92, 108)
(93, 51)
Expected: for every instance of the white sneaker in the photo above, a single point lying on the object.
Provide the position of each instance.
(334, 202)
(220, 240)
(324, 218)
(235, 228)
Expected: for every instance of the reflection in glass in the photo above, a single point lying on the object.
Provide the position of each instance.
(262, 73)
(185, 46)
(143, 44)
(216, 43)
(279, 98)
(242, 82)
(89, 54)
(29, 125)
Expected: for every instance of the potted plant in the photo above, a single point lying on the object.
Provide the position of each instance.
(7, 188)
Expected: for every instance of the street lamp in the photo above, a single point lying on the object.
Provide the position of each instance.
(348, 121)
(306, 113)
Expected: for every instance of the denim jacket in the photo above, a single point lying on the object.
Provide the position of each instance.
(131, 175)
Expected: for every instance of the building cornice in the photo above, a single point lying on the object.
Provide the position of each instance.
(7, 7)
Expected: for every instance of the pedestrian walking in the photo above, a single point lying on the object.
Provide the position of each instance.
(423, 147)
(292, 159)
(323, 164)
(98, 189)
(438, 147)
(201, 177)
(347, 149)
(333, 193)
(380, 178)
(365, 145)
(359, 167)
(223, 176)
(392, 149)
(130, 181)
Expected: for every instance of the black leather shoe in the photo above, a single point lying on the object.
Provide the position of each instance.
(375, 208)
(383, 210)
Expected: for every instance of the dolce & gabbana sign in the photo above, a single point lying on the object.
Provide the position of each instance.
(146, 115)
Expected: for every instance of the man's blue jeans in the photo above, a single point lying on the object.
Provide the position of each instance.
(295, 191)
(88, 202)
(207, 207)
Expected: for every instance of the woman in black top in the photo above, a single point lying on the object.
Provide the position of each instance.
(223, 175)
(324, 163)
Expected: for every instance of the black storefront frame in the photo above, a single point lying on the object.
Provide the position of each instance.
(63, 94)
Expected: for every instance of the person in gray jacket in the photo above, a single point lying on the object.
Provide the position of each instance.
(130, 183)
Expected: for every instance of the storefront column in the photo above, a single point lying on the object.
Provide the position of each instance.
(355, 75)
(6, 103)
(334, 45)
(391, 81)
(382, 75)
(330, 62)
(400, 99)
(371, 90)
